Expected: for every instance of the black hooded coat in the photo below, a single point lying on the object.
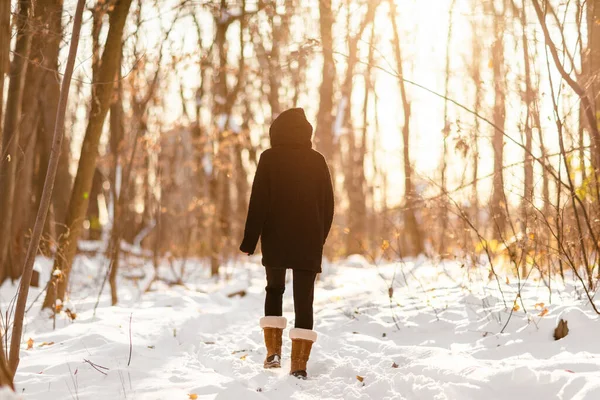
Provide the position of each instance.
(291, 205)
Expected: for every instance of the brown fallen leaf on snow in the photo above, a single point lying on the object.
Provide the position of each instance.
(46, 344)
(360, 378)
(193, 396)
(561, 330)
(544, 312)
(29, 344)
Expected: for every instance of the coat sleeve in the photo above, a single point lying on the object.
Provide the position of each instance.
(257, 209)
(329, 203)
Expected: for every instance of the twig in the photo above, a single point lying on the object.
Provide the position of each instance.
(130, 341)
(97, 367)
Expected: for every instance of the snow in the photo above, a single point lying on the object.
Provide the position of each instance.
(437, 338)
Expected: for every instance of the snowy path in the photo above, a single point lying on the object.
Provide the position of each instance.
(201, 342)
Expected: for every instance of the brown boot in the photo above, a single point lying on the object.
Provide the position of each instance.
(273, 330)
(302, 341)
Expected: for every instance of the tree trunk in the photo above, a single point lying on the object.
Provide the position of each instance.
(410, 219)
(353, 167)
(324, 130)
(446, 133)
(101, 98)
(225, 164)
(6, 377)
(10, 137)
(40, 100)
(593, 73)
(17, 330)
(527, 200)
(5, 34)
(476, 47)
(498, 199)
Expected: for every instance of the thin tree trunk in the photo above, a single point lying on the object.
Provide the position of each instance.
(446, 133)
(324, 130)
(476, 47)
(10, 137)
(410, 219)
(6, 377)
(5, 34)
(117, 135)
(40, 100)
(352, 165)
(527, 200)
(498, 199)
(101, 98)
(17, 330)
(593, 63)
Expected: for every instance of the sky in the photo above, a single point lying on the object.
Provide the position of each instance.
(423, 28)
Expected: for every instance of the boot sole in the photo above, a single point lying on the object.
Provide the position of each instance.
(272, 365)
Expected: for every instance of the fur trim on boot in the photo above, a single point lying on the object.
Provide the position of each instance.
(273, 332)
(302, 341)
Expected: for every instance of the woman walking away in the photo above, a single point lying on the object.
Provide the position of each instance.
(291, 209)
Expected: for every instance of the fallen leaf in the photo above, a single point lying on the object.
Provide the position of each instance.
(541, 306)
(561, 330)
(243, 357)
(193, 396)
(151, 347)
(394, 365)
(71, 314)
(360, 378)
(29, 344)
(544, 312)
(516, 307)
(46, 344)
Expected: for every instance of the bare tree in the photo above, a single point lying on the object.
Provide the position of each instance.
(10, 137)
(410, 219)
(498, 199)
(446, 130)
(17, 330)
(4, 59)
(354, 181)
(101, 99)
(324, 130)
(6, 377)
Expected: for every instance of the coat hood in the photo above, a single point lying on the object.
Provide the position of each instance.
(291, 128)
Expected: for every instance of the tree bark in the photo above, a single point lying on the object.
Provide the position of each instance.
(101, 98)
(10, 137)
(17, 330)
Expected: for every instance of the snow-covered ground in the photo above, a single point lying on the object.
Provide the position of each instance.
(439, 337)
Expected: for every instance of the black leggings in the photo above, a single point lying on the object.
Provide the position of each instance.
(304, 290)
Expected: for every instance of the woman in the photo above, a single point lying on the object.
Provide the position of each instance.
(291, 209)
